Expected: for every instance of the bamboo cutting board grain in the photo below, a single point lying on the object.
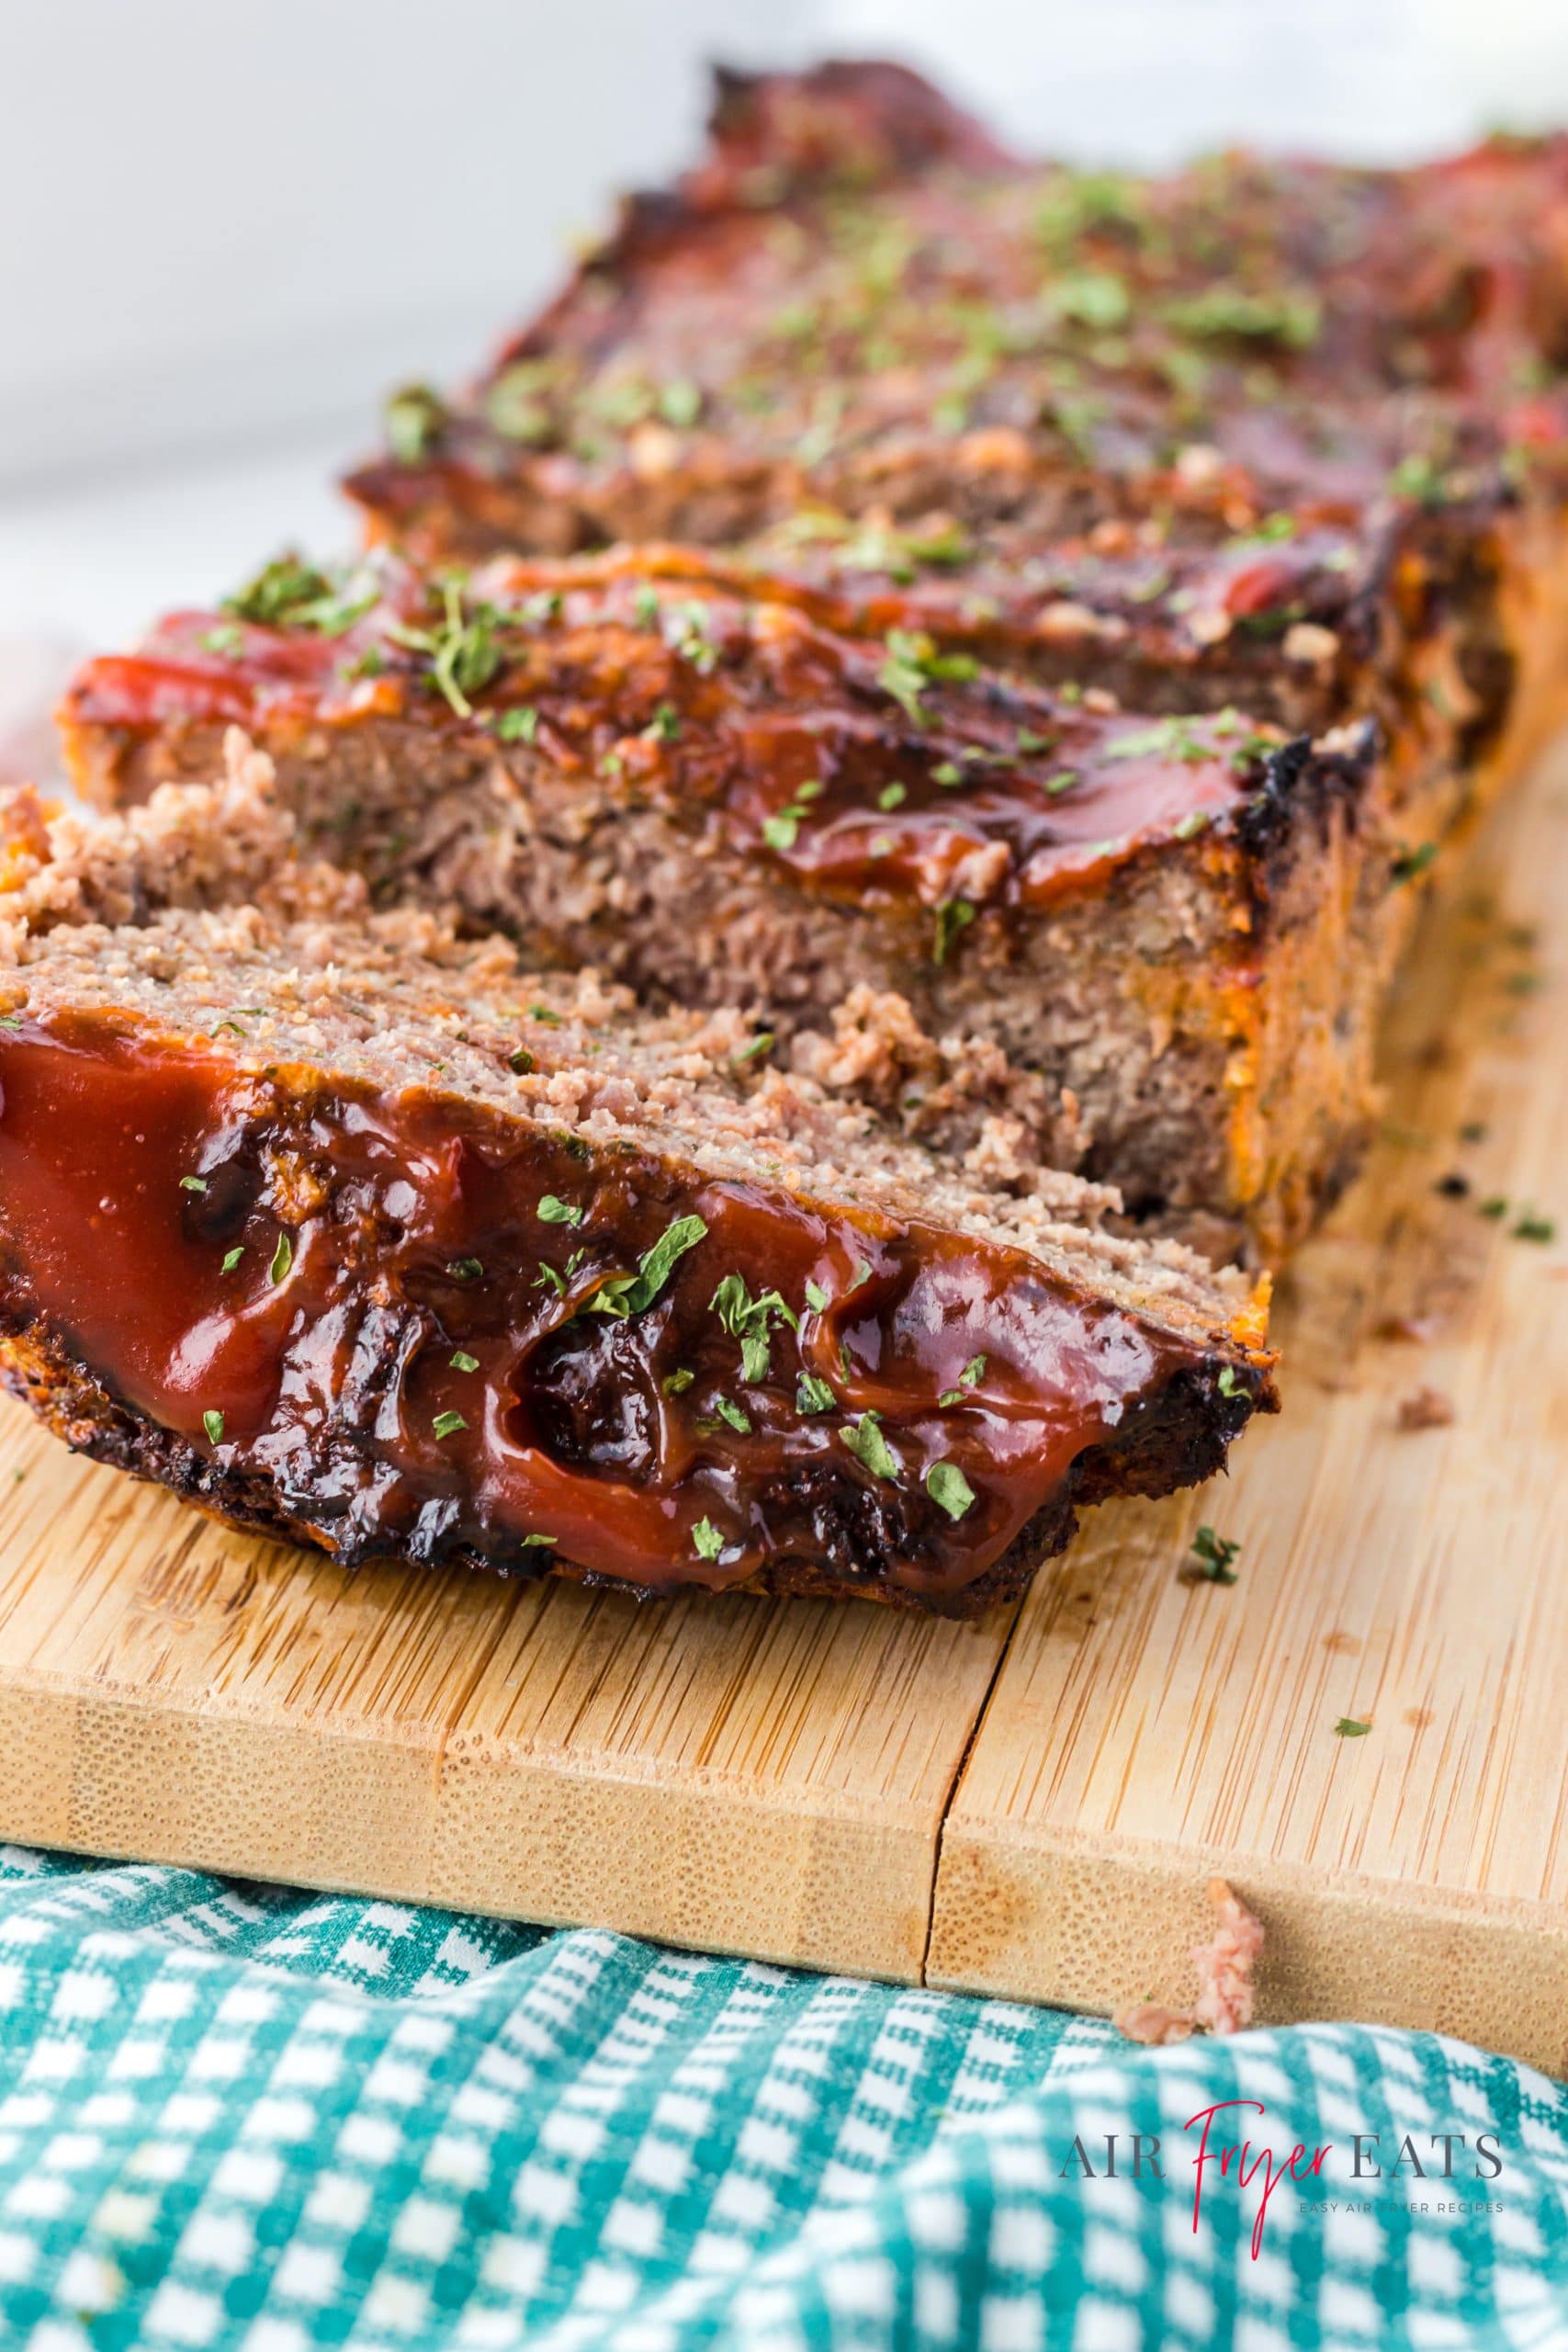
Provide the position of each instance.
(1029, 1806)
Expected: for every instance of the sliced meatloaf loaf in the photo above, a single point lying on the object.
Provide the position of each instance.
(855, 301)
(349, 1231)
(1174, 929)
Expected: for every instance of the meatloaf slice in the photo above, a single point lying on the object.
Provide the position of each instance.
(1174, 930)
(349, 1231)
(856, 301)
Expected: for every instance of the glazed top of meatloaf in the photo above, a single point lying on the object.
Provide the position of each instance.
(885, 769)
(634, 1296)
(823, 309)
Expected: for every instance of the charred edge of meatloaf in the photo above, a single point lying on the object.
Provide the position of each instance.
(1177, 1437)
(1303, 782)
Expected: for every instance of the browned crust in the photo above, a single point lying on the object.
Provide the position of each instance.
(1177, 1437)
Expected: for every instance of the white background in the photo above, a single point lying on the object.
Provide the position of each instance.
(225, 231)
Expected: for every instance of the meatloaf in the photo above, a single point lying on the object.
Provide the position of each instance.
(1154, 944)
(350, 1231)
(856, 301)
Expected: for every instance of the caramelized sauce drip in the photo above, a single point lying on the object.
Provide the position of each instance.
(389, 1286)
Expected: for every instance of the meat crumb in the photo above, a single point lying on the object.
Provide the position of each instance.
(1224, 1966)
(1425, 1409)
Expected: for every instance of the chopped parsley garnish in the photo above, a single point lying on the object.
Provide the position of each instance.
(708, 1539)
(626, 1294)
(755, 1047)
(676, 1381)
(816, 1298)
(1227, 1383)
(645, 606)
(193, 1184)
(812, 1395)
(1062, 781)
(748, 1320)
(664, 726)
(1191, 824)
(278, 591)
(413, 418)
(234, 1257)
(892, 795)
(462, 653)
(1348, 1728)
(1290, 317)
(1411, 862)
(953, 916)
(542, 1013)
(687, 631)
(1173, 737)
(1215, 1553)
(228, 639)
(947, 772)
(448, 1424)
(913, 663)
(282, 1258)
(520, 1061)
(1417, 475)
(462, 1362)
(212, 1423)
(1090, 298)
(10, 1020)
(779, 832)
(949, 1488)
(519, 725)
(463, 1270)
(866, 1442)
(1534, 1228)
(972, 1372)
(545, 1540)
(731, 1413)
(859, 1273)
(555, 1211)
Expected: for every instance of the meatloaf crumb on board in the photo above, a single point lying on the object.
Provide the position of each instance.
(917, 556)
(348, 1230)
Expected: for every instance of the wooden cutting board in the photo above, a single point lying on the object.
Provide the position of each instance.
(1028, 1806)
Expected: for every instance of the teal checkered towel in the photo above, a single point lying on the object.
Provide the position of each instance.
(231, 2116)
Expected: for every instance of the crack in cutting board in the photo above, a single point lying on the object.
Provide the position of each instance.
(1030, 1805)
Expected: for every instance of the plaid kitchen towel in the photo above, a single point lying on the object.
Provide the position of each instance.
(235, 2115)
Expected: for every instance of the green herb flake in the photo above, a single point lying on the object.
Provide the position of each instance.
(1062, 781)
(892, 795)
(817, 1297)
(447, 1424)
(554, 1211)
(1191, 824)
(866, 1442)
(463, 1270)
(708, 1539)
(730, 1412)
(1348, 1728)
(953, 916)
(1533, 1227)
(413, 418)
(949, 1488)
(212, 1423)
(749, 1319)
(282, 1258)
(1411, 862)
(520, 1061)
(675, 1381)
(226, 640)
(779, 832)
(234, 1258)
(1228, 1384)
(812, 1395)
(193, 1184)
(519, 725)
(755, 1047)
(626, 1294)
(462, 1362)
(1215, 1553)
(859, 1272)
